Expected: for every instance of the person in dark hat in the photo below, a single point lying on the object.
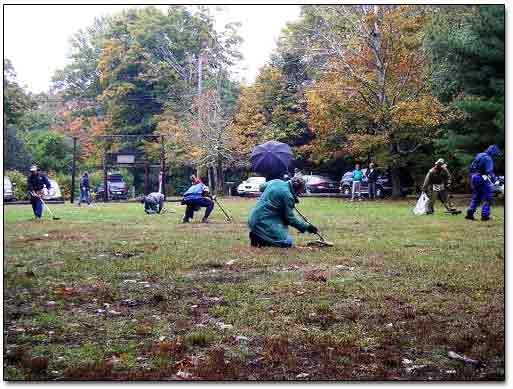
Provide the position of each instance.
(35, 184)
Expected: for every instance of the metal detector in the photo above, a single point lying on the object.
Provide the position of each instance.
(228, 217)
(319, 242)
(46, 206)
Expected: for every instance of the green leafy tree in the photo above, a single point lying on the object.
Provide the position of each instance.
(50, 150)
(16, 103)
(467, 58)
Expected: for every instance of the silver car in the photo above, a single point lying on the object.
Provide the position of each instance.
(9, 189)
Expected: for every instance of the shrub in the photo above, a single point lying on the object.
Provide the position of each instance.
(20, 179)
(64, 181)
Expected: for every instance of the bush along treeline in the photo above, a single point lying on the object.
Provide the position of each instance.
(400, 85)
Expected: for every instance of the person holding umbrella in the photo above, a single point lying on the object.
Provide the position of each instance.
(35, 184)
(274, 212)
(271, 159)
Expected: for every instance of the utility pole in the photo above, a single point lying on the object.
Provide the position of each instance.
(163, 165)
(105, 185)
(73, 166)
(200, 71)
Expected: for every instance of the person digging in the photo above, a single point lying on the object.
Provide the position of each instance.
(436, 185)
(153, 203)
(274, 212)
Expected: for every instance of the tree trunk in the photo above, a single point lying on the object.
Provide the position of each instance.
(220, 175)
(210, 178)
(396, 183)
(216, 179)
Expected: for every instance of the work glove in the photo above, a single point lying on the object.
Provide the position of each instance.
(312, 229)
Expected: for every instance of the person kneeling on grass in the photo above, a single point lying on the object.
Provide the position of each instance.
(197, 196)
(274, 212)
(153, 203)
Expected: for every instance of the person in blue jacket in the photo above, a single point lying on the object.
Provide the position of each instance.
(197, 196)
(481, 179)
(35, 184)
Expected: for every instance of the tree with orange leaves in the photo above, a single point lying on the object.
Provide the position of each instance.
(372, 100)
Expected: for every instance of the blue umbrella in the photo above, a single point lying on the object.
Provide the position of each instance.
(272, 159)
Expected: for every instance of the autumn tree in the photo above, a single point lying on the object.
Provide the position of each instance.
(372, 99)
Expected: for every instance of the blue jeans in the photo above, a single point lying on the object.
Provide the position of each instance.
(84, 196)
(37, 206)
(481, 193)
(372, 190)
(196, 204)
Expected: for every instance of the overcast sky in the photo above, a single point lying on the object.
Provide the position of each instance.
(36, 36)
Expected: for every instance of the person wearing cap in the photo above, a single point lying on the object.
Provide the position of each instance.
(35, 184)
(274, 211)
(372, 176)
(84, 189)
(197, 196)
(436, 184)
(481, 179)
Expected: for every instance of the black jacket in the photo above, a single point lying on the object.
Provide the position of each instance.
(372, 177)
(37, 182)
(84, 182)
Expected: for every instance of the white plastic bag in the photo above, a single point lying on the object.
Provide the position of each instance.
(422, 205)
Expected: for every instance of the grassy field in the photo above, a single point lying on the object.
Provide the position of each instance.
(110, 293)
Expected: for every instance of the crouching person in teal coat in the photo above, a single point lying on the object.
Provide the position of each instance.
(274, 212)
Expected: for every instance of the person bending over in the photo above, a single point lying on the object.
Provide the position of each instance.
(197, 196)
(274, 212)
(153, 203)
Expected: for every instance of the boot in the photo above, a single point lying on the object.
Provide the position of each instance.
(204, 220)
(485, 218)
(185, 220)
(469, 216)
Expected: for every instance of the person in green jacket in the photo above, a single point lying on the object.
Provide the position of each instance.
(274, 212)
(437, 182)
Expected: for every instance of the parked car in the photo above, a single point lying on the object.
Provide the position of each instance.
(383, 183)
(320, 184)
(9, 189)
(54, 194)
(118, 189)
(251, 186)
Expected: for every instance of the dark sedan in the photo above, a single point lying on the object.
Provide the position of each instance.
(320, 184)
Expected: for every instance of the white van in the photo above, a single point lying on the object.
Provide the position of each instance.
(54, 193)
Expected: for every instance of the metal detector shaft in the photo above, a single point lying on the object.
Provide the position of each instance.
(219, 205)
(46, 206)
(306, 220)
